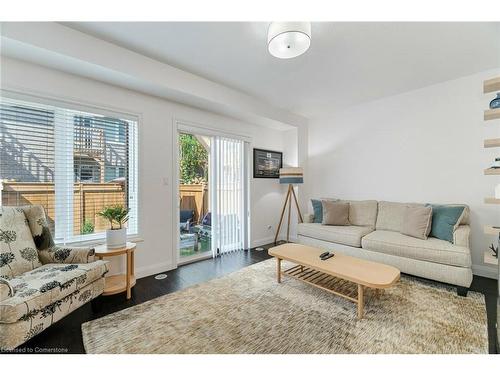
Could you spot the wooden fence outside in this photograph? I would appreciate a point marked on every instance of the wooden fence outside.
(194, 197)
(88, 199)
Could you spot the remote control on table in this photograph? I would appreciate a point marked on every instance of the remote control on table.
(328, 256)
(324, 254)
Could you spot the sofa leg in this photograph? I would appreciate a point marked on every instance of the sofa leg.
(96, 305)
(462, 291)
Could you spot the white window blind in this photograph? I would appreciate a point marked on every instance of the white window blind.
(73, 163)
(228, 196)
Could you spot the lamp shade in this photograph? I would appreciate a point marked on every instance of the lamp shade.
(291, 176)
(286, 40)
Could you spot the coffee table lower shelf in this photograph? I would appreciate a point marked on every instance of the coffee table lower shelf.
(342, 288)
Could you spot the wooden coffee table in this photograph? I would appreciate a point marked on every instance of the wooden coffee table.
(326, 274)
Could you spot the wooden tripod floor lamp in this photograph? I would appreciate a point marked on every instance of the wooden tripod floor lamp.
(290, 176)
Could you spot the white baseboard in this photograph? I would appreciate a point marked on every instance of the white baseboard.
(167, 266)
(262, 241)
(154, 269)
(485, 271)
(268, 240)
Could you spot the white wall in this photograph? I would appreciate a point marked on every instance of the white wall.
(421, 146)
(58, 46)
(155, 254)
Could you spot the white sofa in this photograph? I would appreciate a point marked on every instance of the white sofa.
(374, 235)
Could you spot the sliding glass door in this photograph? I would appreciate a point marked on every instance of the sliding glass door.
(213, 195)
(195, 228)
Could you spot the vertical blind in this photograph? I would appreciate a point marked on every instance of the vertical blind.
(71, 162)
(228, 198)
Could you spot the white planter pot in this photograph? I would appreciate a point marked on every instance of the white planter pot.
(116, 238)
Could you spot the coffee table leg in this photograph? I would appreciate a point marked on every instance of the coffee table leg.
(361, 301)
(278, 269)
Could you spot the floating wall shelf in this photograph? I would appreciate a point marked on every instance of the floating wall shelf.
(494, 142)
(488, 229)
(491, 201)
(491, 114)
(491, 85)
(492, 171)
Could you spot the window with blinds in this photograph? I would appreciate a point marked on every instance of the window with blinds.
(73, 163)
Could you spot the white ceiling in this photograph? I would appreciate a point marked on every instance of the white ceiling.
(347, 63)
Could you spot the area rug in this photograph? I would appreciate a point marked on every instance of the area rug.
(248, 312)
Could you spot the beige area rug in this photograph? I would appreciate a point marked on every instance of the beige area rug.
(248, 312)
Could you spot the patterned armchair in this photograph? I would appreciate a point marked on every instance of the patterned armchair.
(40, 282)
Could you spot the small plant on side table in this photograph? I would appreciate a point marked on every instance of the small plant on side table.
(117, 216)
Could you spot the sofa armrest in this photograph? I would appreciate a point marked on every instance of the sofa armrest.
(60, 254)
(6, 289)
(461, 236)
(308, 218)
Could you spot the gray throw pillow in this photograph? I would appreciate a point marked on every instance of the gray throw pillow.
(335, 213)
(417, 222)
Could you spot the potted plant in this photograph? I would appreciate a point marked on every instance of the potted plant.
(117, 216)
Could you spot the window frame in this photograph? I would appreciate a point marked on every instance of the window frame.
(68, 238)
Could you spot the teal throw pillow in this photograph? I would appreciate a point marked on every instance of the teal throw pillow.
(444, 220)
(318, 210)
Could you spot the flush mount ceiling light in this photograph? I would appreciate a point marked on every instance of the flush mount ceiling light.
(288, 39)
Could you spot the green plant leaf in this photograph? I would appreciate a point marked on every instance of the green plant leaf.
(115, 215)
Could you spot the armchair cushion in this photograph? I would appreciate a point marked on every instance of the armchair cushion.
(40, 289)
(39, 226)
(6, 289)
(68, 255)
(17, 250)
(14, 334)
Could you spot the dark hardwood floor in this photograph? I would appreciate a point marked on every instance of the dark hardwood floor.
(65, 336)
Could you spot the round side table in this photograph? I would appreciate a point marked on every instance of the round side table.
(119, 283)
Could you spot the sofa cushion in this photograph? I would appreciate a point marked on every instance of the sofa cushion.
(347, 235)
(335, 213)
(18, 252)
(362, 213)
(417, 222)
(317, 205)
(390, 215)
(431, 250)
(45, 285)
(445, 220)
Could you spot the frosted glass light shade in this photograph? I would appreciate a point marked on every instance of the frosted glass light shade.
(288, 39)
